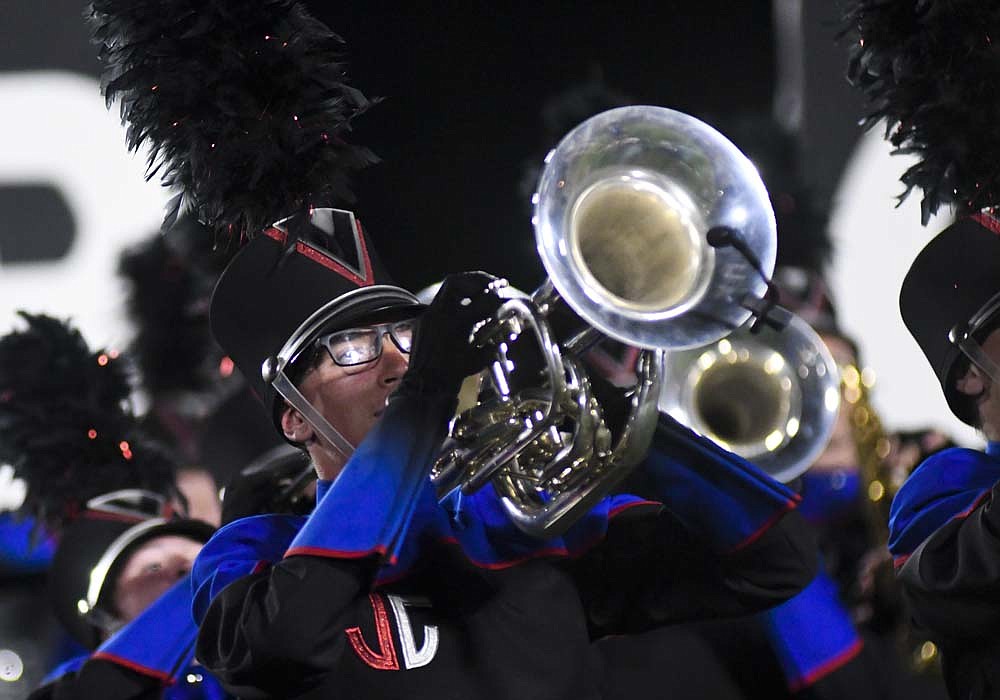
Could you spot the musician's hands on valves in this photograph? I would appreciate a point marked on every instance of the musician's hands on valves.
(442, 354)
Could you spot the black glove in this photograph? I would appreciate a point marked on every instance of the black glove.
(442, 355)
(277, 482)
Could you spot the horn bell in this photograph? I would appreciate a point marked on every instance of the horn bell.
(771, 397)
(621, 215)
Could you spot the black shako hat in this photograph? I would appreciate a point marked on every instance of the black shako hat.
(94, 548)
(952, 281)
(290, 282)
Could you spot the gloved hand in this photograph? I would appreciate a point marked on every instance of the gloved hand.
(442, 356)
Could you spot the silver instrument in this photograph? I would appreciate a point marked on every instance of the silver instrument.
(771, 397)
(621, 216)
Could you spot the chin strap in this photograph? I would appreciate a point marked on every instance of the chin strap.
(313, 417)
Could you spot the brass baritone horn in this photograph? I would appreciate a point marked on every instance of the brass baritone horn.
(769, 396)
(621, 216)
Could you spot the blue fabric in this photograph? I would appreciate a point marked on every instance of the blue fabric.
(946, 485)
(828, 496)
(322, 486)
(235, 551)
(715, 493)
(68, 666)
(160, 641)
(480, 529)
(478, 525)
(19, 554)
(811, 634)
(367, 510)
(382, 503)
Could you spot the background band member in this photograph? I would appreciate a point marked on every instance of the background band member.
(119, 576)
(942, 534)
(928, 70)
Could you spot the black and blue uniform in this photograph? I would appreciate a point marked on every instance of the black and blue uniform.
(945, 541)
(383, 592)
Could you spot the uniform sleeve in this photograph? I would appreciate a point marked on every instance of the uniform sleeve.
(726, 542)
(140, 659)
(265, 616)
(99, 679)
(651, 570)
(952, 580)
(817, 646)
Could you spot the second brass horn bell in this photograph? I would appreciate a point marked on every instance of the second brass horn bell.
(771, 397)
(621, 216)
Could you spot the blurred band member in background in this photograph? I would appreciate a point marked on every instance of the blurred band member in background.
(118, 580)
(928, 69)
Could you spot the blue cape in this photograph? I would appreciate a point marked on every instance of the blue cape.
(949, 484)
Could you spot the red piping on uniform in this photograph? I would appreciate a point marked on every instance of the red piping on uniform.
(827, 667)
(261, 565)
(138, 668)
(625, 506)
(333, 553)
(789, 505)
(980, 499)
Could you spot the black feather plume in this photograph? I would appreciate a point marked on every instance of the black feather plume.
(802, 215)
(242, 103)
(170, 278)
(560, 114)
(65, 422)
(931, 70)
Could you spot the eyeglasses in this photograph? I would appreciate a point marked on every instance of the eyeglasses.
(359, 346)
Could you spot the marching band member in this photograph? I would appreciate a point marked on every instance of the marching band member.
(119, 576)
(289, 605)
(928, 70)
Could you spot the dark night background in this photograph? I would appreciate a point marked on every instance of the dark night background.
(463, 86)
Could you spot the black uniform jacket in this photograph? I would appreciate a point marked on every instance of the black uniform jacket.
(383, 592)
(951, 581)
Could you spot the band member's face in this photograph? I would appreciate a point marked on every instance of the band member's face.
(153, 568)
(977, 384)
(350, 398)
(202, 495)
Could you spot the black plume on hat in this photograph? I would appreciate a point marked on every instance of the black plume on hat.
(801, 214)
(242, 104)
(66, 425)
(930, 69)
(67, 428)
(170, 278)
(561, 113)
